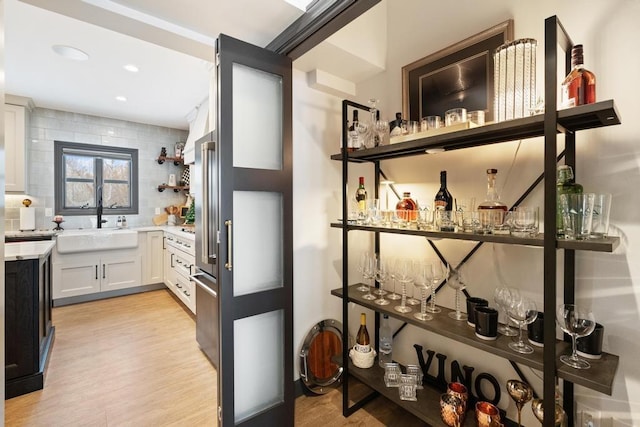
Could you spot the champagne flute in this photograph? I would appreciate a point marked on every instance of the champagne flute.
(392, 275)
(502, 297)
(440, 273)
(369, 273)
(523, 311)
(521, 393)
(361, 263)
(458, 282)
(382, 275)
(404, 268)
(423, 282)
(578, 322)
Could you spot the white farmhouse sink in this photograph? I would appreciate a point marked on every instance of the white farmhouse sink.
(70, 241)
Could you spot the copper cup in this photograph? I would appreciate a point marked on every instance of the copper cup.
(451, 410)
(487, 415)
(460, 391)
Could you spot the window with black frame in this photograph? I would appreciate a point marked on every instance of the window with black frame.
(89, 176)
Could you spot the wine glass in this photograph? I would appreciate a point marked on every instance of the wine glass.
(412, 300)
(458, 281)
(364, 258)
(522, 311)
(538, 411)
(578, 322)
(423, 282)
(440, 273)
(521, 393)
(369, 273)
(502, 297)
(391, 265)
(404, 269)
(382, 275)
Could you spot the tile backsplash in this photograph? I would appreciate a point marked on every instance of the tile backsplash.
(46, 126)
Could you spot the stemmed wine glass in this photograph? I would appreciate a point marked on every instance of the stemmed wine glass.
(423, 282)
(382, 129)
(382, 275)
(391, 265)
(404, 270)
(521, 393)
(440, 273)
(364, 258)
(577, 322)
(522, 311)
(458, 281)
(369, 273)
(502, 297)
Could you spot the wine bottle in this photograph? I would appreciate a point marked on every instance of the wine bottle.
(492, 210)
(443, 199)
(579, 87)
(363, 344)
(361, 196)
(377, 140)
(385, 344)
(565, 184)
(354, 140)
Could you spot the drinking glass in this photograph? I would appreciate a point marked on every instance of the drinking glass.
(369, 273)
(382, 275)
(391, 265)
(404, 270)
(423, 282)
(363, 260)
(578, 322)
(440, 273)
(521, 393)
(458, 281)
(503, 297)
(522, 311)
(381, 129)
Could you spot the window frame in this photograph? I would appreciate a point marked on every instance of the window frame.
(94, 151)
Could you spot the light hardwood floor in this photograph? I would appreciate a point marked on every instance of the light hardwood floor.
(134, 361)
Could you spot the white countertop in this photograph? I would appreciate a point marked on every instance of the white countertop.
(27, 250)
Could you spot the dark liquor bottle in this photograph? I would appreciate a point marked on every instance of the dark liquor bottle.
(579, 87)
(352, 135)
(395, 126)
(363, 344)
(492, 210)
(377, 140)
(443, 199)
(565, 184)
(407, 208)
(361, 195)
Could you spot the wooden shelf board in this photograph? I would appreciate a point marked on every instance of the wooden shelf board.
(607, 244)
(599, 377)
(599, 114)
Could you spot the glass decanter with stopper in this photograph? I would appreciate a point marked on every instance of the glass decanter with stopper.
(407, 209)
(492, 210)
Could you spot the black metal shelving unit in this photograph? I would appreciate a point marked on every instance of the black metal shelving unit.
(549, 125)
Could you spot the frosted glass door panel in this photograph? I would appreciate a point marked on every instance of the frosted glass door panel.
(257, 119)
(257, 241)
(259, 367)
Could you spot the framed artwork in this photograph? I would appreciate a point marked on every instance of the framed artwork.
(459, 76)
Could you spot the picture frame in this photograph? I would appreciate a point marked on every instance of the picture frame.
(183, 211)
(460, 75)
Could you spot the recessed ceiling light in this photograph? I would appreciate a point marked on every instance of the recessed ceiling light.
(131, 68)
(70, 52)
(121, 98)
(434, 150)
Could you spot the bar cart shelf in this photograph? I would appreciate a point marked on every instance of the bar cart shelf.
(568, 121)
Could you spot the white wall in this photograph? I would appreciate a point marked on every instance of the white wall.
(607, 162)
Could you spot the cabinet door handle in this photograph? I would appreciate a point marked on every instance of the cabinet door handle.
(172, 266)
(103, 271)
(228, 265)
(187, 293)
(96, 271)
(164, 240)
(178, 285)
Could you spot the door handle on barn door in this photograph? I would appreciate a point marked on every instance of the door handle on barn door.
(229, 265)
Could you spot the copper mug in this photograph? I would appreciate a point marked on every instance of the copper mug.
(460, 391)
(487, 415)
(451, 410)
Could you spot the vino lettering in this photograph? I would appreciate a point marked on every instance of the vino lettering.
(457, 375)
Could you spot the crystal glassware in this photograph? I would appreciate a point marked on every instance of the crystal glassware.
(577, 322)
(382, 275)
(364, 258)
(404, 270)
(521, 393)
(391, 265)
(522, 311)
(502, 297)
(423, 282)
(368, 273)
(458, 281)
(440, 273)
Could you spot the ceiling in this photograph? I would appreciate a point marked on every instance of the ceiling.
(171, 43)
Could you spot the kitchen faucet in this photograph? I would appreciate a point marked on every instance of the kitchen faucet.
(99, 221)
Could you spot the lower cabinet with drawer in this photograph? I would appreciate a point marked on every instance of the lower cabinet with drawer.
(178, 266)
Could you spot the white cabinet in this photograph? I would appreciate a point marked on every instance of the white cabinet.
(179, 264)
(153, 258)
(75, 275)
(15, 131)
